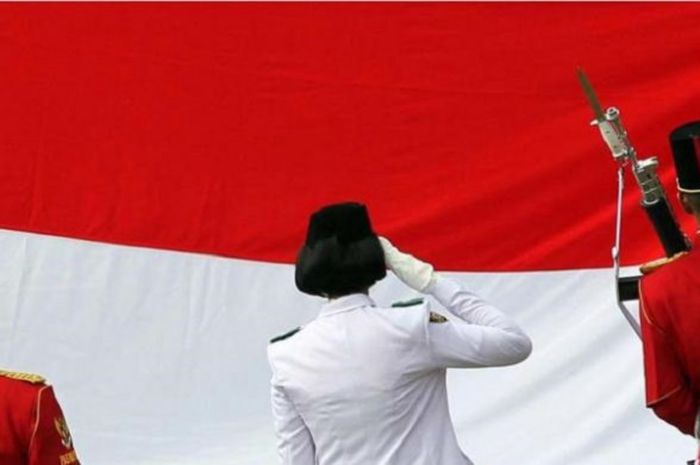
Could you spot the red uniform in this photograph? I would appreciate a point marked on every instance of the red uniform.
(670, 320)
(32, 428)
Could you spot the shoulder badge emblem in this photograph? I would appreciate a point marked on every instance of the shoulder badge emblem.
(63, 432)
(437, 318)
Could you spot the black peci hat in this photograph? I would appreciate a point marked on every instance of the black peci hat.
(342, 254)
(685, 144)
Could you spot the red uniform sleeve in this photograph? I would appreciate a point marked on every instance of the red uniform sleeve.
(667, 388)
(51, 442)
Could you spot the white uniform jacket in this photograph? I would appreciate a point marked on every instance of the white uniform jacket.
(363, 385)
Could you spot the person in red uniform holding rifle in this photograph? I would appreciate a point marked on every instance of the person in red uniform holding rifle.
(670, 306)
(33, 430)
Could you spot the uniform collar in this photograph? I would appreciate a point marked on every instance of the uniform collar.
(345, 303)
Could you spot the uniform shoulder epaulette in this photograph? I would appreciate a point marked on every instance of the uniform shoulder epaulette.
(285, 335)
(654, 265)
(26, 377)
(408, 303)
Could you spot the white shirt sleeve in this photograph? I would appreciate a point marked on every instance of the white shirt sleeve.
(294, 442)
(476, 334)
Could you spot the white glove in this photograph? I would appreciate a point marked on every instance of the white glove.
(413, 272)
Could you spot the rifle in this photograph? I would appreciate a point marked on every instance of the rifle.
(654, 200)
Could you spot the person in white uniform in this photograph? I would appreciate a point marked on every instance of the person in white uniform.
(365, 385)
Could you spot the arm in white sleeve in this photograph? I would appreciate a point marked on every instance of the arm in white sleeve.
(294, 442)
(477, 335)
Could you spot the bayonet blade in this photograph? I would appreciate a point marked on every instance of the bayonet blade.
(590, 95)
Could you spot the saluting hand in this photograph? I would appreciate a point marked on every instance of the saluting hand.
(413, 272)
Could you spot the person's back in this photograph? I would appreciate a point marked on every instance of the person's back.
(366, 385)
(671, 300)
(361, 378)
(670, 315)
(670, 306)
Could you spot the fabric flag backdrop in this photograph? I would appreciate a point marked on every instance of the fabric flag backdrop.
(158, 163)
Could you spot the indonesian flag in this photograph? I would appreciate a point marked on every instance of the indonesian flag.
(158, 164)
